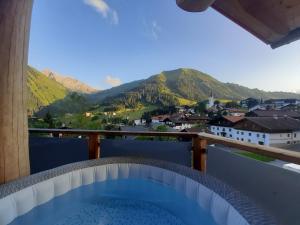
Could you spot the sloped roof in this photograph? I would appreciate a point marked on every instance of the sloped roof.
(274, 113)
(275, 22)
(282, 124)
(233, 119)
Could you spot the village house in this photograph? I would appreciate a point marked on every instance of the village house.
(274, 113)
(88, 114)
(270, 131)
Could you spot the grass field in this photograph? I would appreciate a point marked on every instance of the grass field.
(256, 156)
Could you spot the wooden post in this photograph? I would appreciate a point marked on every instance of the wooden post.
(94, 146)
(15, 16)
(199, 154)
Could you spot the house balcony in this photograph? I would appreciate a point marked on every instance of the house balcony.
(274, 188)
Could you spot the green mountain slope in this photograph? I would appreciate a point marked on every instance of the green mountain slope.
(42, 91)
(178, 87)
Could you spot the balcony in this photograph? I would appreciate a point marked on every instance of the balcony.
(274, 188)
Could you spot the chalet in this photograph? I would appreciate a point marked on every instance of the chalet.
(178, 122)
(274, 113)
(159, 119)
(185, 121)
(249, 102)
(197, 119)
(236, 112)
(139, 122)
(270, 131)
(283, 102)
(223, 126)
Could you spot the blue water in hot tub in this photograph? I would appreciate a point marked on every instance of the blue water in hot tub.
(118, 202)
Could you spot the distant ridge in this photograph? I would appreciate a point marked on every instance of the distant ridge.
(70, 83)
(182, 86)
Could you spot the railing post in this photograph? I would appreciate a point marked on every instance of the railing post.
(199, 154)
(94, 146)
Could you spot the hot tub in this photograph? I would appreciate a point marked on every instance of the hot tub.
(125, 191)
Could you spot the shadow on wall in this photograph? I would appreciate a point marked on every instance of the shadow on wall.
(48, 153)
(274, 188)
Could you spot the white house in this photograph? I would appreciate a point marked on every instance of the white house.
(140, 122)
(277, 132)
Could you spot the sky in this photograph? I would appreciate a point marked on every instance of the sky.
(105, 43)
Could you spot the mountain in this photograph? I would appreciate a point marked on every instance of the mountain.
(179, 87)
(47, 94)
(70, 83)
(42, 91)
(176, 87)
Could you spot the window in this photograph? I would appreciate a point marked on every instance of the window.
(223, 129)
(238, 132)
(264, 136)
(238, 139)
(295, 135)
(242, 133)
(250, 134)
(218, 134)
(242, 139)
(257, 135)
(230, 135)
(249, 140)
(261, 143)
(213, 128)
(288, 135)
(229, 129)
(288, 142)
(217, 128)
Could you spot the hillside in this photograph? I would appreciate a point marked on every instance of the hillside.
(176, 87)
(179, 87)
(42, 91)
(70, 83)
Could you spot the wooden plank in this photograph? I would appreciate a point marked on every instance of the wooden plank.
(277, 153)
(94, 146)
(199, 154)
(14, 40)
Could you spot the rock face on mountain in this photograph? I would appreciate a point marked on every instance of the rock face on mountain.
(70, 83)
(42, 91)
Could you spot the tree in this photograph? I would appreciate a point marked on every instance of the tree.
(201, 107)
(232, 104)
(161, 128)
(147, 117)
(217, 102)
(49, 120)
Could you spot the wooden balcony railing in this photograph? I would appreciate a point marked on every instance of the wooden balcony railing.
(199, 143)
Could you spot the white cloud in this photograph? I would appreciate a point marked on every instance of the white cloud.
(152, 29)
(155, 29)
(104, 9)
(115, 17)
(113, 81)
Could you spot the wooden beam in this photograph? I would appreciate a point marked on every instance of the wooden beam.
(276, 153)
(15, 16)
(199, 154)
(94, 146)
